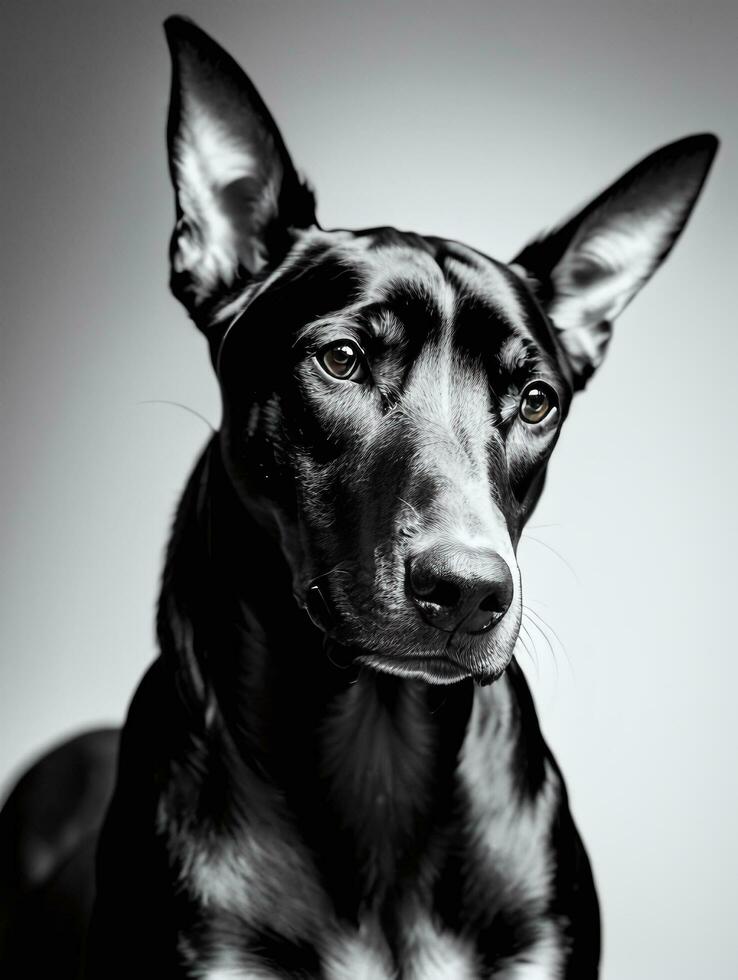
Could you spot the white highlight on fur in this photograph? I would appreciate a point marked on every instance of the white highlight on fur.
(209, 157)
(264, 880)
(394, 265)
(453, 451)
(512, 831)
(613, 253)
(262, 874)
(357, 956)
(619, 254)
(514, 837)
(489, 284)
(226, 965)
(512, 353)
(435, 954)
(429, 953)
(543, 962)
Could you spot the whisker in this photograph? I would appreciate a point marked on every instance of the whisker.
(532, 612)
(540, 622)
(533, 655)
(408, 504)
(336, 570)
(165, 401)
(533, 624)
(530, 537)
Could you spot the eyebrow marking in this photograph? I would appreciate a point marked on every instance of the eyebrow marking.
(387, 324)
(308, 332)
(514, 353)
(419, 309)
(379, 318)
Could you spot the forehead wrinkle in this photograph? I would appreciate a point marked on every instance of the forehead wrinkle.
(378, 318)
(422, 313)
(487, 284)
(398, 266)
(389, 274)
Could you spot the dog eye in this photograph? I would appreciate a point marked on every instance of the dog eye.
(343, 360)
(538, 401)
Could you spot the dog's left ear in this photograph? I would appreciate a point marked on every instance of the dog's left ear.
(587, 270)
(237, 193)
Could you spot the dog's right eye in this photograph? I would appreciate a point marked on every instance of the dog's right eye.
(343, 360)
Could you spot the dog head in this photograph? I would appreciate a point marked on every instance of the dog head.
(391, 400)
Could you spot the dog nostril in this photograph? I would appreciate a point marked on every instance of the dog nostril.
(495, 603)
(439, 592)
(426, 584)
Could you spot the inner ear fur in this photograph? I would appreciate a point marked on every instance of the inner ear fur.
(587, 270)
(238, 197)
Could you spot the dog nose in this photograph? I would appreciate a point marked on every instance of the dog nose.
(460, 588)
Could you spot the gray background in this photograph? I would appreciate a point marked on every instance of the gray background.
(480, 121)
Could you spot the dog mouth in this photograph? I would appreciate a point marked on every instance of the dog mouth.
(451, 658)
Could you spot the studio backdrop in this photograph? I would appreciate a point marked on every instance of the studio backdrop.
(480, 121)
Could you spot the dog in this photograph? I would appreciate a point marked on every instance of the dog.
(334, 767)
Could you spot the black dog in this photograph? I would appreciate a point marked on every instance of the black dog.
(364, 793)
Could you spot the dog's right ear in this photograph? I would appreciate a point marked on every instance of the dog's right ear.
(237, 193)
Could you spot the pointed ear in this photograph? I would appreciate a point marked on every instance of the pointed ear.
(587, 270)
(237, 192)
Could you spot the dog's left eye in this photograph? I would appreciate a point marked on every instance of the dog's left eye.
(343, 360)
(537, 402)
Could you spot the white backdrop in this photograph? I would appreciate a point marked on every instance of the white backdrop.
(483, 122)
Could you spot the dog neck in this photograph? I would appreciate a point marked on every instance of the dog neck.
(364, 761)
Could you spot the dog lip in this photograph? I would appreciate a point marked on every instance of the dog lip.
(447, 665)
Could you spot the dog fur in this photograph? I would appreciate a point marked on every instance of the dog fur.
(328, 772)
